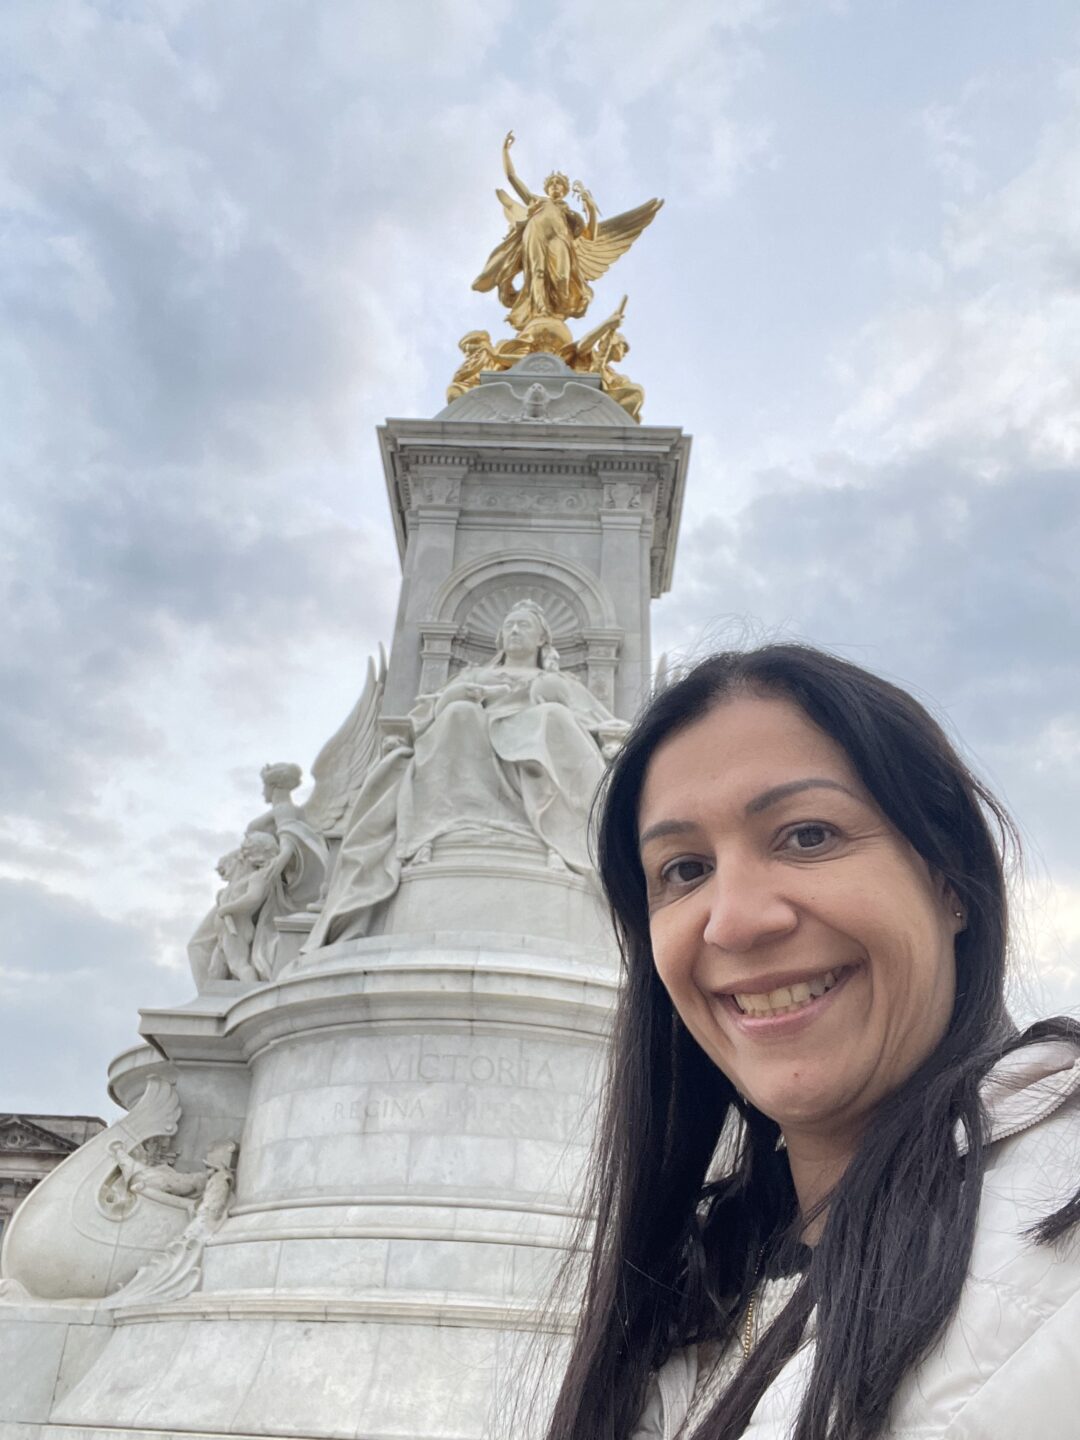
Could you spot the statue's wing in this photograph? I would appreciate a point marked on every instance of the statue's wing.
(515, 214)
(344, 761)
(157, 1113)
(474, 405)
(595, 410)
(613, 238)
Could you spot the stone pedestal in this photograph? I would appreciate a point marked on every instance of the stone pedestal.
(419, 1112)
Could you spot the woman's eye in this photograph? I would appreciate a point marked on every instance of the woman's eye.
(683, 872)
(805, 839)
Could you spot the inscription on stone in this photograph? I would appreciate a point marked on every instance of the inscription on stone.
(468, 1091)
(461, 1066)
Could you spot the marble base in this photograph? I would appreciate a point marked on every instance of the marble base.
(416, 1111)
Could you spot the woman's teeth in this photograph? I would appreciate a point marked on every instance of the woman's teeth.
(788, 997)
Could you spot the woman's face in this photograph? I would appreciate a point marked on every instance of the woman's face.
(804, 943)
(521, 635)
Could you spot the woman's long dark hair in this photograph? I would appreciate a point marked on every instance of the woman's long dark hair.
(674, 1259)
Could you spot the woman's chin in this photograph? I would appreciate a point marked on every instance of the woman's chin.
(816, 1106)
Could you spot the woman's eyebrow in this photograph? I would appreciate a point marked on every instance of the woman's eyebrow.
(761, 802)
(664, 827)
(793, 787)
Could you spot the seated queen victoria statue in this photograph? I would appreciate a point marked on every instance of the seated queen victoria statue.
(508, 749)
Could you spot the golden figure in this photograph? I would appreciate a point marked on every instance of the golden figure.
(595, 351)
(480, 354)
(554, 249)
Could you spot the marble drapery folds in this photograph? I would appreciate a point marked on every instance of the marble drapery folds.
(510, 748)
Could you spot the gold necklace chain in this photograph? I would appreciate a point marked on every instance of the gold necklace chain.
(748, 1322)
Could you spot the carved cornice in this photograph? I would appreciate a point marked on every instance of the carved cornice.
(576, 460)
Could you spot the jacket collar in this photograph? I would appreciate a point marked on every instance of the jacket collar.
(1026, 1086)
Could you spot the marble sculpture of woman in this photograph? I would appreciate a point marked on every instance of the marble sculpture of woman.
(278, 869)
(504, 749)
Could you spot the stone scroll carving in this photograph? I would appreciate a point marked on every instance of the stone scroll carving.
(280, 867)
(508, 748)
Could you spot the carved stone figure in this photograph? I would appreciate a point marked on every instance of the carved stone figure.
(281, 865)
(224, 947)
(509, 748)
(555, 250)
(157, 1181)
(177, 1270)
(221, 948)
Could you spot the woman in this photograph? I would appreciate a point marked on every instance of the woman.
(542, 248)
(511, 748)
(835, 1189)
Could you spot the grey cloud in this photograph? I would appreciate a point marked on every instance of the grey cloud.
(131, 571)
(64, 961)
(962, 588)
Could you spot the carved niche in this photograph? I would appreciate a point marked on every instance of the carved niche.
(471, 605)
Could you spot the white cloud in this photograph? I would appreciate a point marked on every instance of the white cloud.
(985, 361)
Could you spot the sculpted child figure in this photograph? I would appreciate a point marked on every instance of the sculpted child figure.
(277, 870)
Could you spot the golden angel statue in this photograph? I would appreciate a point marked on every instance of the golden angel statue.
(553, 248)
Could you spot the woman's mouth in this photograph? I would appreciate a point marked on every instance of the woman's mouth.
(789, 999)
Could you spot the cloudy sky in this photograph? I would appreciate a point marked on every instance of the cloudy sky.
(236, 236)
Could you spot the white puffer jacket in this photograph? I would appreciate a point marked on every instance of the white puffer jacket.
(1008, 1367)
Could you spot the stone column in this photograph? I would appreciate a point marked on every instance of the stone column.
(431, 524)
(622, 525)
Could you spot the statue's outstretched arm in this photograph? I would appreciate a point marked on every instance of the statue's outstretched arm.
(592, 214)
(511, 174)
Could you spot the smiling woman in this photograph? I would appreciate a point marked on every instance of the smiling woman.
(833, 1181)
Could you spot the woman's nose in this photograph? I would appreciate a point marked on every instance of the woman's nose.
(746, 908)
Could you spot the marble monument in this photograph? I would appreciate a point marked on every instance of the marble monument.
(348, 1166)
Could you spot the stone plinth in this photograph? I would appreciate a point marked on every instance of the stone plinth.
(418, 1116)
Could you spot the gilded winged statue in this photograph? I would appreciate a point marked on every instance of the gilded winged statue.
(554, 249)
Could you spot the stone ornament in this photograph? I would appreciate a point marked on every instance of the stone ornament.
(140, 1172)
(281, 865)
(95, 1219)
(508, 748)
(177, 1270)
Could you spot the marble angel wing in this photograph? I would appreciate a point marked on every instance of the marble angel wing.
(595, 411)
(515, 214)
(474, 405)
(613, 238)
(346, 758)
